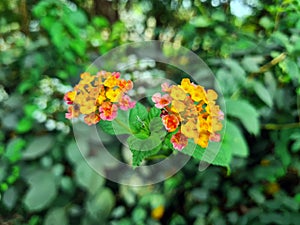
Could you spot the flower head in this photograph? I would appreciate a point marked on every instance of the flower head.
(200, 117)
(98, 96)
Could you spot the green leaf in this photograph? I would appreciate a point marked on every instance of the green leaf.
(263, 93)
(143, 146)
(292, 69)
(87, 178)
(251, 63)
(42, 190)
(56, 216)
(266, 23)
(24, 125)
(100, 204)
(193, 150)
(78, 18)
(73, 153)
(137, 116)
(100, 22)
(201, 21)
(138, 156)
(13, 149)
(234, 141)
(38, 147)
(256, 195)
(153, 113)
(245, 112)
(146, 144)
(236, 70)
(222, 157)
(118, 126)
(10, 198)
(139, 214)
(281, 147)
(227, 82)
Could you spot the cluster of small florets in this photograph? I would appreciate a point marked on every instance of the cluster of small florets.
(191, 111)
(98, 97)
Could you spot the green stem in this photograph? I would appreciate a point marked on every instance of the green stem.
(156, 157)
(272, 126)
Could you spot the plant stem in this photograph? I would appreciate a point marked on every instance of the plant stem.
(156, 157)
(270, 64)
(272, 126)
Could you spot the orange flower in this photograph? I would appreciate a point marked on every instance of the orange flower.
(92, 118)
(170, 122)
(125, 85)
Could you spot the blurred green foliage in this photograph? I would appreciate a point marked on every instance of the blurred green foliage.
(44, 45)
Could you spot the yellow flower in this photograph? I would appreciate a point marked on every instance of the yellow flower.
(216, 125)
(202, 139)
(177, 93)
(187, 86)
(177, 106)
(80, 98)
(189, 129)
(88, 107)
(100, 99)
(158, 212)
(198, 94)
(111, 82)
(211, 95)
(272, 188)
(114, 94)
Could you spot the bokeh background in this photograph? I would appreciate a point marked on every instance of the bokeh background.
(251, 46)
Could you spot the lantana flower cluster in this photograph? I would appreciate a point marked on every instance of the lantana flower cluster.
(98, 97)
(190, 110)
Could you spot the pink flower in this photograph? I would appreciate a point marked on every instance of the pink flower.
(125, 103)
(221, 115)
(165, 87)
(161, 101)
(116, 74)
(179, 141)
(215, 137)
(108, 111)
